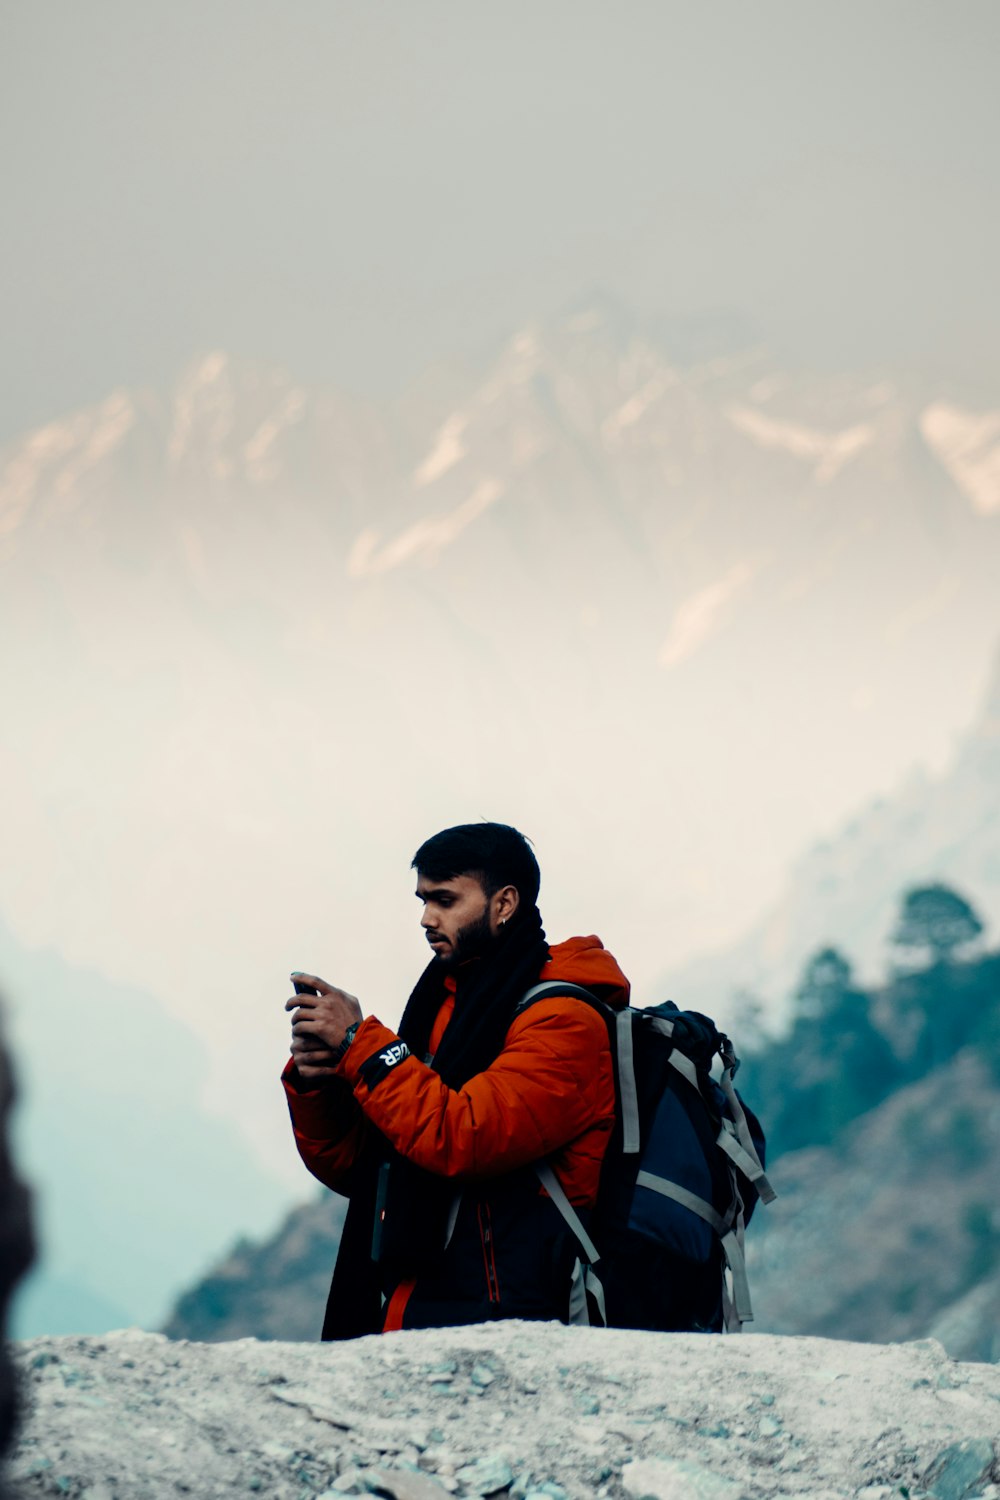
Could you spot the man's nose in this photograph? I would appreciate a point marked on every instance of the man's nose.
(426, 918)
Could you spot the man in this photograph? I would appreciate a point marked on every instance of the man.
(434, 1133)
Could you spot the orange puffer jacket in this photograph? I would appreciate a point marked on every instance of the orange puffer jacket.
(549, 1095)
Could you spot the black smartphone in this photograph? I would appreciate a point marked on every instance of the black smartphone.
(304, 989)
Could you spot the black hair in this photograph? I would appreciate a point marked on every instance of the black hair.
(496, 854)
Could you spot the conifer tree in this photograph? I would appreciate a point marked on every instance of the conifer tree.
(937, 919)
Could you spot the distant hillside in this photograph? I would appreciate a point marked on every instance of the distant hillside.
(846, 890)
(272, 1289)
(893, 1232)
(883, 1111)
(135, 1184)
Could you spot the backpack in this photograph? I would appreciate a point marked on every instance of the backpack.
(683, 1171)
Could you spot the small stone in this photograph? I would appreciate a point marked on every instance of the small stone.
(487, 1475)
(960, 1470)
(349, 1483)
(45, 1358)
(768, 1427)
(403, 1484)
(766, 1400)
(673, 1479)
(717, 1430)
(482, 1375)
(588, 1404)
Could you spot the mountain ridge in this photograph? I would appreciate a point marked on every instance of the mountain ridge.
(670, 645)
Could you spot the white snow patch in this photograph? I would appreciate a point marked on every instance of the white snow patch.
(829, 451)
(22, 477)
(204, 394)
(425, 540)
(114, 419)
(702, 615)
(968, 445)
(260, 462)
(636, 406)
(448, 450)
(54, 458)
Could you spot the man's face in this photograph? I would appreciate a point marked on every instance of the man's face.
(457, 918)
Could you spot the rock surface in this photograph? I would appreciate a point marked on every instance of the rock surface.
(530, 1411)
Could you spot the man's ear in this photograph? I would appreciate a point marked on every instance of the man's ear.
(505, 904)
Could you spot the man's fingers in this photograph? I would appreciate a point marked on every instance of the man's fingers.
(314, 981)
(306, 1026)
(310, 1043)
(302, 1013)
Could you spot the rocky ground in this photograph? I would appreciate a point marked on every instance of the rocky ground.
(529, 1411)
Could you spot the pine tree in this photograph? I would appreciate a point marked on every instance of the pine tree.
(937, 919)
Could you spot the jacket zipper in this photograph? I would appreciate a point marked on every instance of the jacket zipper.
(381, 1191)
(486, 1235)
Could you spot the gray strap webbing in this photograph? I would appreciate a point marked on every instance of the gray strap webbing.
(749, 1165)
(554, 1188)
(595, 1287)
(659, 1024)
(736, 1262)
(686, 1200)
(578, 1297)
(456, 1204)
(730, 1321)
(554, 987)
(765, 1191)
(626, 1083)
(685, 1068)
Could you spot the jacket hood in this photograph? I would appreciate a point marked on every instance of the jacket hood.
(586, 961)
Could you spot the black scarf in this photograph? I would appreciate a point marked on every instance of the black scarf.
(487, 991)
(417, 1202)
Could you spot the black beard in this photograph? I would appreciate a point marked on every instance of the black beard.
(474, 940)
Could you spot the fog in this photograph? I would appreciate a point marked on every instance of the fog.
(579, 416)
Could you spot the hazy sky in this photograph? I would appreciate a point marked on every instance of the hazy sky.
(358, 189)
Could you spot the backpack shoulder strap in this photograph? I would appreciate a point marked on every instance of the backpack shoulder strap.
(560, 987)
(619, 1024)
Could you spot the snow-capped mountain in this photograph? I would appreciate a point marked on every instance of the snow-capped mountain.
(676, 620)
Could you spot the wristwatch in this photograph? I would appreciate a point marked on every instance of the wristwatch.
(338, 1052)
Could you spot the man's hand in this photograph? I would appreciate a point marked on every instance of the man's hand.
(318, 1026)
